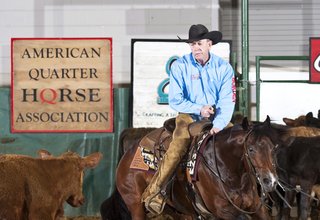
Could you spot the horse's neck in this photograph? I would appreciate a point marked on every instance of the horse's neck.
(230, 147)
(227, 158)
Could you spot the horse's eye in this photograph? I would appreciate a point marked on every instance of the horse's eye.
(251, 150)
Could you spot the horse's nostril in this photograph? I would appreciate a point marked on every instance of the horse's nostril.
(269, 183)
(266, 181)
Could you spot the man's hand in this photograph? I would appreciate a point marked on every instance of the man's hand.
(214, 130)
(206, 111)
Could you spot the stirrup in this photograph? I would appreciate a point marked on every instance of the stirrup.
(155, 204)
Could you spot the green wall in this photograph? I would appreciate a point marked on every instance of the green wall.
(99, 182)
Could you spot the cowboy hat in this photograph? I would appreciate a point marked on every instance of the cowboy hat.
(199, 32)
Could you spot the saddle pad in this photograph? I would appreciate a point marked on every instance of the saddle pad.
(144, 159)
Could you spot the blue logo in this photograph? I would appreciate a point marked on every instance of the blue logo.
(162, 95)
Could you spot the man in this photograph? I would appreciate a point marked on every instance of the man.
(198, 81)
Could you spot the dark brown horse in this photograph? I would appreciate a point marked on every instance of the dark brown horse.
(229, 168)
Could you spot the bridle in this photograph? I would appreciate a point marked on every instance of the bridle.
(252, 168)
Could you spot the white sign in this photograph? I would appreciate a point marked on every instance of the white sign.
(150, 78)
(279, 100)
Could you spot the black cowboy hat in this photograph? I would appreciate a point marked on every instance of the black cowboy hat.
(199, 32)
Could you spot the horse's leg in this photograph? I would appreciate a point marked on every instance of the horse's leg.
(136, 208)
(130, 184)
(131, 195)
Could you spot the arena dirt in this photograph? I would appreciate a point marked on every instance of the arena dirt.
(82, 218)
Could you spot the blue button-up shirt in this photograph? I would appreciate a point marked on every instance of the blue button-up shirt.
(193, 86)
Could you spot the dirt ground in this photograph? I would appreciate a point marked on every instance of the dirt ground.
(82, 218)
(293, 216)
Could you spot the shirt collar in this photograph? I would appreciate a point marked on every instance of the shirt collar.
(194, 61)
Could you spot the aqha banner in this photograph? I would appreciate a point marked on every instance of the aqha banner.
(61, 85)
(314, 60)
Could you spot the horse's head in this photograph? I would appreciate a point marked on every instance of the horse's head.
(259, 145)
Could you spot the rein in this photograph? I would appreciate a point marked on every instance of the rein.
(221, 181)
(287, 187)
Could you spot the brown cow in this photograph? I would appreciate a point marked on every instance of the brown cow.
(36, 188)
(304, 120)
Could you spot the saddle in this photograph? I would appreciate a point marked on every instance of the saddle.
(162, 136)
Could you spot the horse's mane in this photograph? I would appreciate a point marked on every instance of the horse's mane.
(275, 132)
(236, 127)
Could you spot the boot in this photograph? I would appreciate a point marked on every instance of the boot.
(152, 197)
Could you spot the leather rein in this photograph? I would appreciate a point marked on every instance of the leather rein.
(252, 171)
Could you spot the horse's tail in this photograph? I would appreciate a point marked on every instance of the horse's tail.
(114, 208)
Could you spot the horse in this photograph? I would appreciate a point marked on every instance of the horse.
(230, 165)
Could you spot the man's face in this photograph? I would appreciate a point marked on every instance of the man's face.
(200, 50)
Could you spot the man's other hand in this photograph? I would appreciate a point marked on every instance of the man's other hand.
(206, 111)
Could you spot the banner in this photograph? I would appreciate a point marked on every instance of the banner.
(61, 85)
(314, 60)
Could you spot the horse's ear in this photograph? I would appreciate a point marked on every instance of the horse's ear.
(319, 114)
(245, 123)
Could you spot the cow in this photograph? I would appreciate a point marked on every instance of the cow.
(304, 120)
(312, 123)
(36, 188)
(299, 170)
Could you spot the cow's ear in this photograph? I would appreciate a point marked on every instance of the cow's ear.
(92, 160)
(44, 153)
(268, 120)
(309, 115)
(288, 121)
